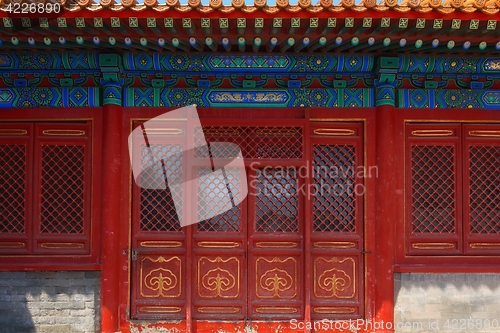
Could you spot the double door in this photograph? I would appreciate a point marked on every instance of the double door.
(296, 239)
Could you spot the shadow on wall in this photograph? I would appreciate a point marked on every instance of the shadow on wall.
(49, 302)
(15, 316)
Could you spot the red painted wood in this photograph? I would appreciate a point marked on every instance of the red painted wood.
(433, 263)
(426, 224)
(86, 258)
(111, 226)
(384, 229)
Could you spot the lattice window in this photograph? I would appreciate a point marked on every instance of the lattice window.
(275, 142)
(334, 202)
(433, 189)
(214, 194)
(278, 142)
(484, 189)
(277, 200)
(12, 188)
(157, 208)
(62, 196)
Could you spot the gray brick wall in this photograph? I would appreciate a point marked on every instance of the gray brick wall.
(447, 302)
(49, 302)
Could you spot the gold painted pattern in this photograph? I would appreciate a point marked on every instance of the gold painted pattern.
(218, 309)
(432, 132)
(271, 310)
(432, 246)
(228, 132)
(61, 245)
(484, 245)
(276, 131)
(335, 245)
(160, 309)
(276, 244)
(161, 244)
(219, 280)
(484, 133)
(13, 131)
(160, 280)
(334, 280)
(162, 131)
(226, 245)
(334, 131)
(63, 132)
(11, 245)
(276, 280)
(334, 310)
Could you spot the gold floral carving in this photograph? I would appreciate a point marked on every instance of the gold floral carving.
(334, 281)
(276, 280)
(159, 281)
(219, 281)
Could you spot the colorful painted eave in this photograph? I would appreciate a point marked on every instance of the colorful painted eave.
(401, 6)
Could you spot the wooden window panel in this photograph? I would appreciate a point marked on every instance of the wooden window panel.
(16, 165)
(433, 169)
(481, 200)
(62, 178)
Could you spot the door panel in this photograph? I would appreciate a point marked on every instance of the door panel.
(276, 244)
(337, 221)
(219, 249)
(159, 262)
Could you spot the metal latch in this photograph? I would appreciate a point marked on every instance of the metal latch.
(133, 255)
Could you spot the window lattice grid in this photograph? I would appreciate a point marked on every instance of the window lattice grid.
(277, 200)
(157, 208)
(62, 195)
(276, 142)
(334, 201)
(12, 188)
(214, 194)
(433, 178)
(484, 190)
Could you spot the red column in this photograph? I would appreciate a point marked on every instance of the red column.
(110, 217)
(385, 217)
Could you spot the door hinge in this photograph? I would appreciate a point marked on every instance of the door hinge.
(133, 255)
(366, 252)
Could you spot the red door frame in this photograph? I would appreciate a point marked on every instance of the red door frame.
(378, 302)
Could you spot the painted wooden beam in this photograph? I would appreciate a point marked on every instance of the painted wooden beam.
(257, 42)
(211, 44)
(226, 43)
(321, 42)
(242, 43)
(272, 44)
(303, 44)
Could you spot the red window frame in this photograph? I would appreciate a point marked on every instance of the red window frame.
(461, 257)
(61, 190)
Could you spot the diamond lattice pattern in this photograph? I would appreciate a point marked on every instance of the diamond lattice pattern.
(484, 190)
(157, 208)
(278, 142)
(277, 200)
(433, 189)
(334, 180)
(62, 197)
(214, 193)
(12, 188)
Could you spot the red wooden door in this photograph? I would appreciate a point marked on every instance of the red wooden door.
(250, 262)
